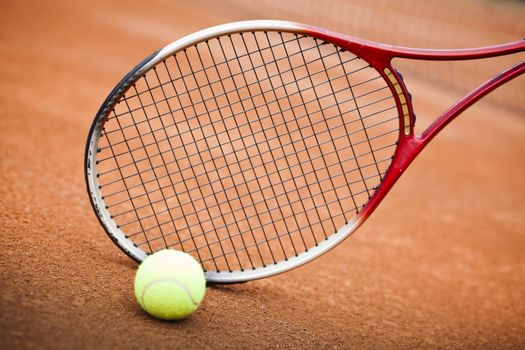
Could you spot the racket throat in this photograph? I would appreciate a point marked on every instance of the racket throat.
(408, 149)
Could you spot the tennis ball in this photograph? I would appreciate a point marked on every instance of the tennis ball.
(169, 284)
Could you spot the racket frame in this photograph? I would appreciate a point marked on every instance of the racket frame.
(379, 56)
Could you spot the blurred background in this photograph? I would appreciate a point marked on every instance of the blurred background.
(440, 264)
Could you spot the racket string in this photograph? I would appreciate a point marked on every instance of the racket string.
(241, 100)
(261, 201)
(226, 169)
(209, 67)
(367, 138)
(276, 159)
(239, 138)
(324, 118)
(247, 150)
(259, 218)
(170, 179)
(280, 144)
(241, 232)
(225, 92)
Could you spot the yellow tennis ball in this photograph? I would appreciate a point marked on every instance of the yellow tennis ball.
(170, 284)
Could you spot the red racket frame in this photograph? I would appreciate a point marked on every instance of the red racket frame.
(380, 56)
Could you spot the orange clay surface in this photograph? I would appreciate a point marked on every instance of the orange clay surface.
(440, 264)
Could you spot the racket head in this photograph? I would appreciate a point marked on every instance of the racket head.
(373, 60)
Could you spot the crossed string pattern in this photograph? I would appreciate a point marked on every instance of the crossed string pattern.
(247, 149)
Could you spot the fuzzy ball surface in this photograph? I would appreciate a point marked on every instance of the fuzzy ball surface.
(170, 284)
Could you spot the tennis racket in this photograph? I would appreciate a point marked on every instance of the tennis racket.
(257, 146)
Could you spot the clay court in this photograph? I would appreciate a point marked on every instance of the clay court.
(439, 264)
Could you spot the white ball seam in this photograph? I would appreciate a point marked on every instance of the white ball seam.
(171, 280)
